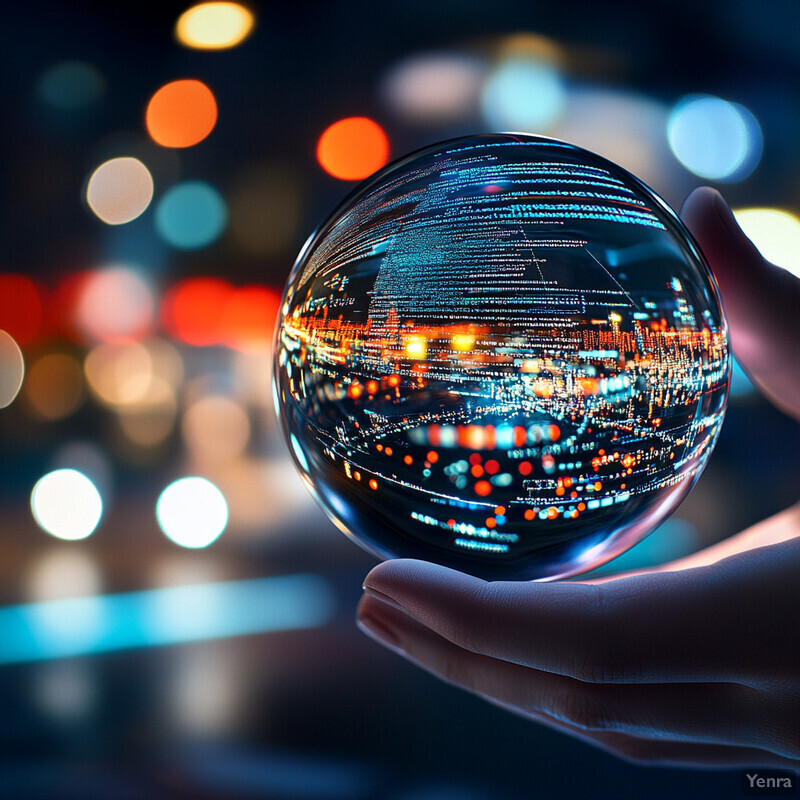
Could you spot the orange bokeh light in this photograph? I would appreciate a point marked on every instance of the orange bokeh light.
(249, 316)
(20, 308)
(192, 310)
(353, 148)
(181, 113)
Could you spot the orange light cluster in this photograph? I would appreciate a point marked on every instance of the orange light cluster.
(211, 311)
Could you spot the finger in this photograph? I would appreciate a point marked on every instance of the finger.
(778, 528)
(724, 623)
(728, 714)
(761, 300)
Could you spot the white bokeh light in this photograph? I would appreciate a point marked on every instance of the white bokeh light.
(775, 233)
(66, 504)
(192, 512)
(120, 190)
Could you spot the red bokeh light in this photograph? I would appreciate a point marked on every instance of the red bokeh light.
(20, 308)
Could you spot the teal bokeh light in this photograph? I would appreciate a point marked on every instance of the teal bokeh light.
(191, 215)
(714, 138)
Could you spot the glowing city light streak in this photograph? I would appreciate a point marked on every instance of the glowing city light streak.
(159, 617)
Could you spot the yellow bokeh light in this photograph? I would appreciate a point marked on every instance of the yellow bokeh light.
(120, 190)
(416, 347)
(214, 26)
(775, 233)
(463, 342)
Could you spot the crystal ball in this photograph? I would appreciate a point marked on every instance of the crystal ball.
(504, 354)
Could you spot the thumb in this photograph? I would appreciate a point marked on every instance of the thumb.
(762, 301)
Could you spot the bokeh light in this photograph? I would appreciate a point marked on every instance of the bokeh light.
(63, 572)
(775, 232)
(353, 148)
(524, 93)
(215, 429)
(115, 304)
(12, 369)
(192, 512)
(148, 422)
(71, 85)
(434, 88)
(191, 311)
(120, 190)
(248, 318)
(20, 308)
(627, 128)
(119, 374)
(714, 138)
(181, 113)
(191, 215)
(66, 504)
(54, 386)
(214, 26)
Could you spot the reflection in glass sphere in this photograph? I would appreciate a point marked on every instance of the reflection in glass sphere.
(503, 354)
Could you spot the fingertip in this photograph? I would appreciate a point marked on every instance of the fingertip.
(409, 571)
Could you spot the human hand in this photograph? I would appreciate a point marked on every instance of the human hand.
(696, 662)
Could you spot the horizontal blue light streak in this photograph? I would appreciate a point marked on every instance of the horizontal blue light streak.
(103, 623)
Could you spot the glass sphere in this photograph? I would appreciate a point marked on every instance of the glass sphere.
(503, 354)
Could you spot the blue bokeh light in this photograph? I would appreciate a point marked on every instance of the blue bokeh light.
(191, 215)
(714, 138)
(524, 95)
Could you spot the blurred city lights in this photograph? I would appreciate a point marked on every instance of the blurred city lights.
(54, 386)
(353, 148)
(181, 113)
(248, 318)
(204, 693)
(66, 690)
(624, 127)
(265, 205)
(63, 572)
(85, 625)
(20, 308)
(714, 138)
(12, 369)
(120, 190)
(523, 94)
(192, 309)
(71, 85)
(214, 26)
(66, 504)
(192, 512)
(149, 421)
(775, 232)
(115, 304)
(119, 374)
(215, 429)
(434, 88)
(191, 215)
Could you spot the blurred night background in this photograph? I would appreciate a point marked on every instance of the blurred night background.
(171, 638)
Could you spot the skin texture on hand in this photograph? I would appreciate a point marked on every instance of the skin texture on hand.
(696, 662)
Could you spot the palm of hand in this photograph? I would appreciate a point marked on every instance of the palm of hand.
(695, 662)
